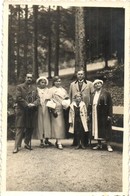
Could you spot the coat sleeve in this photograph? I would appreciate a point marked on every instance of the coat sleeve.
(37, 99)
(70, 116)
(109, 103)
(19, 98)
(70, 92)
(85, 112)
(91, 88)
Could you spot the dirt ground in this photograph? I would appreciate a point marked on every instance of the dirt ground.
(67, 170)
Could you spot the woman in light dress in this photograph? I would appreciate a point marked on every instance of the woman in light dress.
(58, 94)
(43, 122)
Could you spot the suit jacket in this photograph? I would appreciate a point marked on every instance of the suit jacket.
(86, 91)
(25, 116)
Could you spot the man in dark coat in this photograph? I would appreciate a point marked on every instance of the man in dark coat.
(85, 87)
(27, 101)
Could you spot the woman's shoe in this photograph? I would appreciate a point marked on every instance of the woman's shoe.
(59, 146)
(99, 146)
(109, 148)
(48, 143)
(41, 145)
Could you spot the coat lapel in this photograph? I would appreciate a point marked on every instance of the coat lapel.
(100, 96)
(77, 86)
(83, 86)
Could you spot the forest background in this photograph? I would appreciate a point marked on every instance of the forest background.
(47, 39)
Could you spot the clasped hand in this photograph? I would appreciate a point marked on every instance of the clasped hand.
(31, 105)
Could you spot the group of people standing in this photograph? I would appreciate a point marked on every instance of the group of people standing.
(40, 112)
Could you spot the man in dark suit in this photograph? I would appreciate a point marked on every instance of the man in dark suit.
(27, 101)
(85, 87)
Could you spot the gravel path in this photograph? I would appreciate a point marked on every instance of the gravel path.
(50, 169)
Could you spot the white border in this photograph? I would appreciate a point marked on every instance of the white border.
(92, 3)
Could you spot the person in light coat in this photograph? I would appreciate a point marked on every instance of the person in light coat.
(78, 120)
(101, 115)
(43, 129)
(58, 94)
(85, 87)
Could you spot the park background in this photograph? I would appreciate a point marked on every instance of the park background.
(56, 40)
(114, 81)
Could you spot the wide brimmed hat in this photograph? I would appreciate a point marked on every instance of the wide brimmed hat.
(97, 80)
(42, 78)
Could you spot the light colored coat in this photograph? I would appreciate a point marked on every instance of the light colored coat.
(86, 91)
(83, 116)
(43, 125)
(58, 124)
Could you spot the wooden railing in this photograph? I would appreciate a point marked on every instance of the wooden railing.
(118, 110)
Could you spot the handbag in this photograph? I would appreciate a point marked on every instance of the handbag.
(51, 104)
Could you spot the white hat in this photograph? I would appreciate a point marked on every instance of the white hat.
(42, 78)
(97, 80)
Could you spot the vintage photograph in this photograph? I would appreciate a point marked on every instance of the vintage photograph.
(67, 100)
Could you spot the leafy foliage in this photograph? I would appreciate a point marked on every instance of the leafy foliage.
(104, 29)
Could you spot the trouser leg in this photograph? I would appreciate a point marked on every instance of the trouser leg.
(77, 137)
(74, 140)
(86, 138)
(82, 138)
(28, 135)
(18, 137)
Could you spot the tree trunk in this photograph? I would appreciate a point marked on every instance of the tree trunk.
(11, 62)
(18, 44)
(49, 45)
(26, 39)
(80, 59)
(56, 71)
(35, 61)
(106, 36)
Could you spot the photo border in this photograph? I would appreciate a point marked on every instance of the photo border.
(4, 67)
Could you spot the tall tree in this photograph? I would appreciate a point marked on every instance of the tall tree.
(57, 30)
(106, 29)
(26, 38)
(35, 60)
(11, 56)
(80, 59)
(49, 44)
(18, 41)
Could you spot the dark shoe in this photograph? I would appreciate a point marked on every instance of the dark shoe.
(48, 143)
(83, 147)
(97, 147)
(77, 147)
(28, 147)
(15, 150)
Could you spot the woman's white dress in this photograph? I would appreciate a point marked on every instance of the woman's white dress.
(58, 124)
(44, 121)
